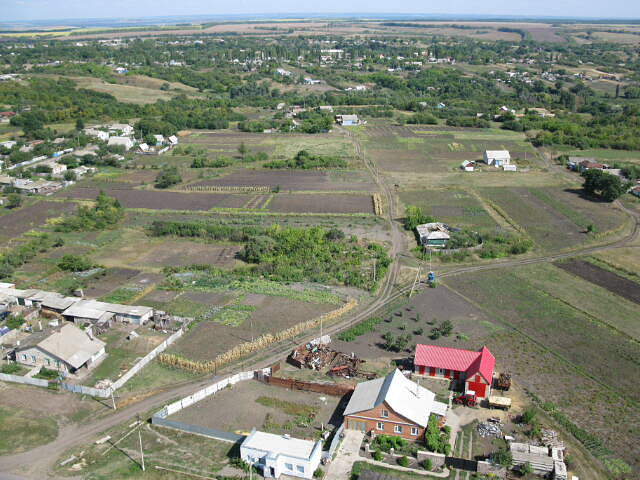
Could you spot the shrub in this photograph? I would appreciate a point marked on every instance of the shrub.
(10, 368)
(403, 461)
(15, 322)
(378, 455)
(168, 177)
(528, 415)
(427, 464)
(74, 263)
(318, 473)
(503, 457)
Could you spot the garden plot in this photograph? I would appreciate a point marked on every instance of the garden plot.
(242, 319)
(453, 207)
(550, 224)
(109, 280)
(163, 200)
(252, 404)
(416, 318)
(31, 217)
(320, 203)
(293, 180)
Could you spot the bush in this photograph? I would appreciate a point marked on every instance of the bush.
(378, 456)
(528, 415)
(10, 368)
(105, 213)
(503, 457)
(318, 473)
(427, 464)
(74, 263)
(403, 461)
(15, 322)
(168, 177)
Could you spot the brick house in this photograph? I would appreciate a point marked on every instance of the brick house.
(392, 405)
(474, 370)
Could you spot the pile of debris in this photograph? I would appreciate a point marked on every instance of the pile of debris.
(503, 382)
(348, 366)
(550, 439)
(490, 428)
(312, 356)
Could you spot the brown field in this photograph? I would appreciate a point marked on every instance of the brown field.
(319, 203)
(34, 216)
(112, 279)
(272, 314)
(603, 278)
(181, 253)
(236, 409)
(162, 200)
(295, 180)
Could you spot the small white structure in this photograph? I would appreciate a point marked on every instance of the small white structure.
(143, 148)
(281, 454)
(497, 158)
(510, 167)
(159, 140)
(173, 140)
(99, 134)
(348, 119)
(125, 142)
(123, 128)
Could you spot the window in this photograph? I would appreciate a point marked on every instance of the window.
(288, 466)
(384, 413)
(414, 431)
(24, 357)
(380, 426)
(300, 468)
(34, 358)
(397, 429)
(48, 361)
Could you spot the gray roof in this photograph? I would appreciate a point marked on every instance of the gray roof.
(71, 345)
(95, 309)
(403, 396)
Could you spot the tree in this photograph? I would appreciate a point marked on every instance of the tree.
(79, 124)
(242, 150)
(74, 263)
(503, 457)
(528, 415)
(167, 177)
(414, 217)
(603, 185)
(69, 176)
(149, 139)
(14, 200)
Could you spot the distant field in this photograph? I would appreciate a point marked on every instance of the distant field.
(607, 154)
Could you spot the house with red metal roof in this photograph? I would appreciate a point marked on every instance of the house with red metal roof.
(474, 369)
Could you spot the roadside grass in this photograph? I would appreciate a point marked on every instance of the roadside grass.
(21, 431)
(156, 375)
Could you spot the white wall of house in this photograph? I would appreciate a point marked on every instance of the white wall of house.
(279, 464)
(34, 357)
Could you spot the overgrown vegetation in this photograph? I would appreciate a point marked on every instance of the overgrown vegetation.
(306, 161)
(18, 256)
(105, 213)
(436, 439)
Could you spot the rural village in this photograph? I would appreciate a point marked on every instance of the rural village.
(348, 249)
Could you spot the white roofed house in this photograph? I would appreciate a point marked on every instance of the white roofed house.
(276, 455)
(121, 128)
(99, 134)
(159, 140)
(497, 158)
(66, 349)
(125, 142)
(98, 312)
(173, 140)
(392, 405)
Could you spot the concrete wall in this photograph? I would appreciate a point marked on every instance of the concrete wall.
(437, 459)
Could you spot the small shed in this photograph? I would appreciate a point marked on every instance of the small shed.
(497, 158)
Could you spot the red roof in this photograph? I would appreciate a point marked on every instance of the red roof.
(457, 359)
(7, 114)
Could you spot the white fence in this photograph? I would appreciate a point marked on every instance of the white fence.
(205, 392)
(38, 382)
(101, 392)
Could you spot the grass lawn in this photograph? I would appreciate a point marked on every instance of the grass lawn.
(20, 431)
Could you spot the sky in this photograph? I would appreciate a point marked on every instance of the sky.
(11, 10)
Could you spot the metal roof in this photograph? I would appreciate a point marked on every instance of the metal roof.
(403, 396)
(279, 444)
(457, 359)
(71, 344)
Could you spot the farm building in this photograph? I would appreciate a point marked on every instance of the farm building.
(475, 369)
(468, 166)
(497, 158)
(433, 234)
(392, 405)
(95, 311)
(347, 119)
(276, 455)
(125, 142)
(588, 164)
(65, 349)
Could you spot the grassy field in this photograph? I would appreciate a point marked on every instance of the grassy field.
(21, 431)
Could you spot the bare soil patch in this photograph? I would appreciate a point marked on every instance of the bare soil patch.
(180, 253)
(112, 279)
(603, 278)
(318, 203)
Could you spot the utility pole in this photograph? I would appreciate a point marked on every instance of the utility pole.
(375, 260)
(113, 400)
(140, 440)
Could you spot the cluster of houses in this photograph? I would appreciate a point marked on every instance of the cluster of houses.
(64, 344)
(495, 158)
(122, 134)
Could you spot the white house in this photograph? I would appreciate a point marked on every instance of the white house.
(280, 454)
(126, 142)
(99, 134)
(348, 119)
(497, 158)
(124, 128)
(468, 166)
(159, 140)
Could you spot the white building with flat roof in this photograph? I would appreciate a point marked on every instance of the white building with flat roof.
(281, 455)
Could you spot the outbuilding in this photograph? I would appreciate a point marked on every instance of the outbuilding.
(279, 455)
(472, 369)
(497, 158)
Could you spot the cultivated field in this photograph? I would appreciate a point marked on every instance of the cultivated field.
(31, 217)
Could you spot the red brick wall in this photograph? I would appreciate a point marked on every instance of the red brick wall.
(373, 416)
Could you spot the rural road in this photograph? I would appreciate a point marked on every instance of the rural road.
(37, 463)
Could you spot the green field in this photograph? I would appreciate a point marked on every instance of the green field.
(20, 430)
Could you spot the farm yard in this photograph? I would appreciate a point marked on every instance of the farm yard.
(250, 404)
